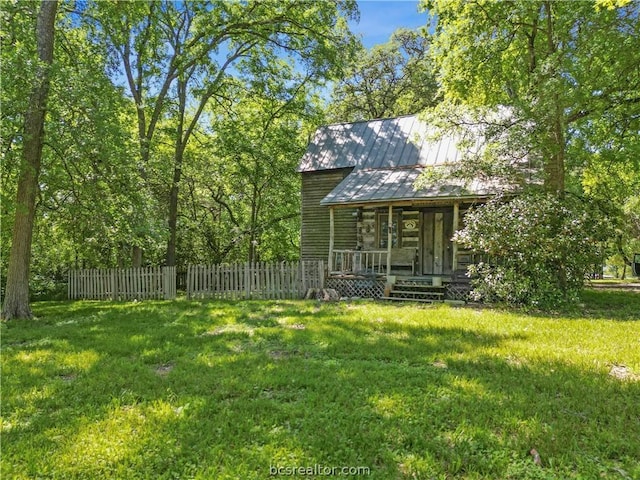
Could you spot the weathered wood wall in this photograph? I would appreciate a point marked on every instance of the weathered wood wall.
(314, 241)
(369, 225)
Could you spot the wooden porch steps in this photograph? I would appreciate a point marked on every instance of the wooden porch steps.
(421, 300)
(416, 290)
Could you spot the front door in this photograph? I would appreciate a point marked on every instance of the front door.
(437, 228)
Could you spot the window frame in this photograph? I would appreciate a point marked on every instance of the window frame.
(382, 221)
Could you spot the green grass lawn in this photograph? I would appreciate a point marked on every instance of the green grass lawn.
(238, 390)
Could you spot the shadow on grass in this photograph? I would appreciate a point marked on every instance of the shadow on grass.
(230, 390)
(610, 304)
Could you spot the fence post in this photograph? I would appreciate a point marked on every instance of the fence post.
(321, 273)
(188, 282)
(112, 284)
(168, 281)
(285, 275)
(165, 282)
(174, 282)
(247, 280)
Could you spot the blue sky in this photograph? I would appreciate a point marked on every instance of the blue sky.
(380, 18)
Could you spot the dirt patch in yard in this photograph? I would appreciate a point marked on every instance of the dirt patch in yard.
(622, 372)
(164, 369)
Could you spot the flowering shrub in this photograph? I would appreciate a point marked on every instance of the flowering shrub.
(540, 248)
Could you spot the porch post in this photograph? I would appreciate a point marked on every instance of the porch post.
(389, 239)
(456, 217)
(331, 238)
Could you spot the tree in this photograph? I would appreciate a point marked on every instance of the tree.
(88, 186)
(16, 302)
(389, 80)
(615, 185)
(259, 144)
(525, 239)
(241, 195)
(561, 70)
(177, 56)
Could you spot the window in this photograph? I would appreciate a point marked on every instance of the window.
(383, 224)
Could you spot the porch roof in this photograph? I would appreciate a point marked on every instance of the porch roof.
(385, 185)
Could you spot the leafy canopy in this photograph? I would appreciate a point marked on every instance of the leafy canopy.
(388, 80)
(567, 72)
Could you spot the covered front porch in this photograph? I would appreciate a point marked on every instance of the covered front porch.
(402, 235)
(402, 252)
(403, 241)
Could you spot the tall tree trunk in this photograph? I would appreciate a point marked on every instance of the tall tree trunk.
(178, 157)
(136, 256)
(16, 302)
(554, 165)
(173, 211)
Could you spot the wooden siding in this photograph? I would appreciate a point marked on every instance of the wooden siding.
(314, 241)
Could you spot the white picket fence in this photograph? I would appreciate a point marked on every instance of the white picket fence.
(123, 283)
(283, 280)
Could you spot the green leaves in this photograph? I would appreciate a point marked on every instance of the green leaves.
(539, 249)
(556, 65)
(181, 60)
(150, 98)
(389, 80)
(567, 75)
(248, 188)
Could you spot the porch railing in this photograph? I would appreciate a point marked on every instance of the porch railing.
(359, 262)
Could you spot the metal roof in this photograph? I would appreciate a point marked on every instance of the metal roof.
(386, 143)
(396, 184)
(387, 156)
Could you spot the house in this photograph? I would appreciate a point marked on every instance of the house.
(362, 214)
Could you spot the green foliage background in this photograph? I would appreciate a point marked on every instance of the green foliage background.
(250, 74)
(553, 90)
